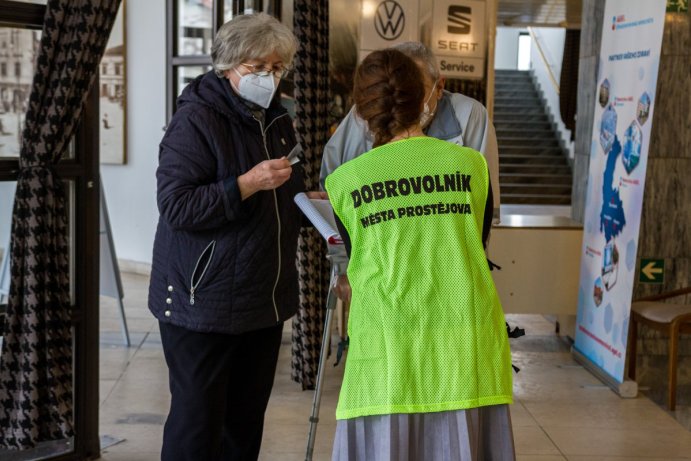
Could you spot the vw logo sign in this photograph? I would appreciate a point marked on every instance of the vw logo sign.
(389, 21)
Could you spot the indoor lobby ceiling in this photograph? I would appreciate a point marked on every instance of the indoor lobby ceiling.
(524, 13)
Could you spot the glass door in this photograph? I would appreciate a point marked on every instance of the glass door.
(20, 30)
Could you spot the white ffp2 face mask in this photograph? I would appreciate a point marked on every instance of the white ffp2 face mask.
(257, 89)
(427, 114)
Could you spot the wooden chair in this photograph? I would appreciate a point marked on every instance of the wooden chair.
(675, 319)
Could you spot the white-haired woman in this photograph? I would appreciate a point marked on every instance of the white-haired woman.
(223, 276)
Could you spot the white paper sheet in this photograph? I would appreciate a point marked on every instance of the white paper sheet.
(320, 213)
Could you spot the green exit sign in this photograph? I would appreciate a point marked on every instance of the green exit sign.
(652, 271)
(677, 6)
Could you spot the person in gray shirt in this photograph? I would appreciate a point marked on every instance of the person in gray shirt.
(450, 116)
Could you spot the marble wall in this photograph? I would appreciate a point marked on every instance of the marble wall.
(591, 35)
(666, 218)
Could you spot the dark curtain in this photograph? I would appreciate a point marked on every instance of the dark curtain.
(311, 27)
(568, 80)
(36, 363)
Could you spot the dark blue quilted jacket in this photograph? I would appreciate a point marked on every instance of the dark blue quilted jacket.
(221, 264)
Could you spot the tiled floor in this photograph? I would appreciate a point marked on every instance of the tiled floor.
(561, 412)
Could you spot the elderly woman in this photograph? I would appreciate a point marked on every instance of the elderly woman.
(223, 276)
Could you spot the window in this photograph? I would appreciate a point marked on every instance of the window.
(15, 87)
(524, 51)
(191, 27)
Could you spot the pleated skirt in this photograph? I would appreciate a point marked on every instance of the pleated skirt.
(477, 434)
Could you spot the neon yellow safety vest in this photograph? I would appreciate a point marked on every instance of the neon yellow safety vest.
(426, 326)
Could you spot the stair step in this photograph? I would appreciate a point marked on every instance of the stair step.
(511, 71)
(524, 98)
(512, 76)
(514, 87)
(514, 81)
(515, 78)
(501, 125)
(519, 118)
(530, 168)
(503, 79)
(509, 81)
(508, 97)
(534, 178)
(513, 92)
(518, 142)
(518, 113)
(540, 189)
(532, 150)
(504, 110)
(518, 102)
(528, 132)
(548, 151)
(536, 199)
(508, 84)
(533, 159)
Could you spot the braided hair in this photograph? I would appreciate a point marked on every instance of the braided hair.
(388, 93)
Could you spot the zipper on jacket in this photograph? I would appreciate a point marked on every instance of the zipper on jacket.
(193, 286)
(278, 216)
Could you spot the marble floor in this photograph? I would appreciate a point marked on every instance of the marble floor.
(561, 412)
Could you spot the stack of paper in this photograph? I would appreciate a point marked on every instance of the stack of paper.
(320, 214)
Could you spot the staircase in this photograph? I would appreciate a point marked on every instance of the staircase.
(533, 169)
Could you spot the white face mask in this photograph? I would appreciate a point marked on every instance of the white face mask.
(257, 89)
(427, 114)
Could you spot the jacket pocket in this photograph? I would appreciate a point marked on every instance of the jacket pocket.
(200, 268)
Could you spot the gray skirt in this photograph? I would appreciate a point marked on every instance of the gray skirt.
(477, 434)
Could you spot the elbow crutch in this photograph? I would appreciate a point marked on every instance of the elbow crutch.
(339, 263)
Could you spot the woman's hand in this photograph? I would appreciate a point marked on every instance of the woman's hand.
(342, 288)
(266, 175)
(317, 195)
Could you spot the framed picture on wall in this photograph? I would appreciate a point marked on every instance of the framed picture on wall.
(18, 50)
(113, 95)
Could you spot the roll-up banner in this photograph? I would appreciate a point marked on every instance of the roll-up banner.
(625, 99)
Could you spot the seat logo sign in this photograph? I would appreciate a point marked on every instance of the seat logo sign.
(459, 23)
(389, 21)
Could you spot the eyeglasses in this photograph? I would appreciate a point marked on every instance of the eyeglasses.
(262, 71)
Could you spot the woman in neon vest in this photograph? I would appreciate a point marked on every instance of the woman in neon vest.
(428, 374)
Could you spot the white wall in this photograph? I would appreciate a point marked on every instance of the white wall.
(7, 189)
(131, 189)
(506, 48)
(551, 42)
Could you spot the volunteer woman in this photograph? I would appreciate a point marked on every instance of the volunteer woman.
(428, 372)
